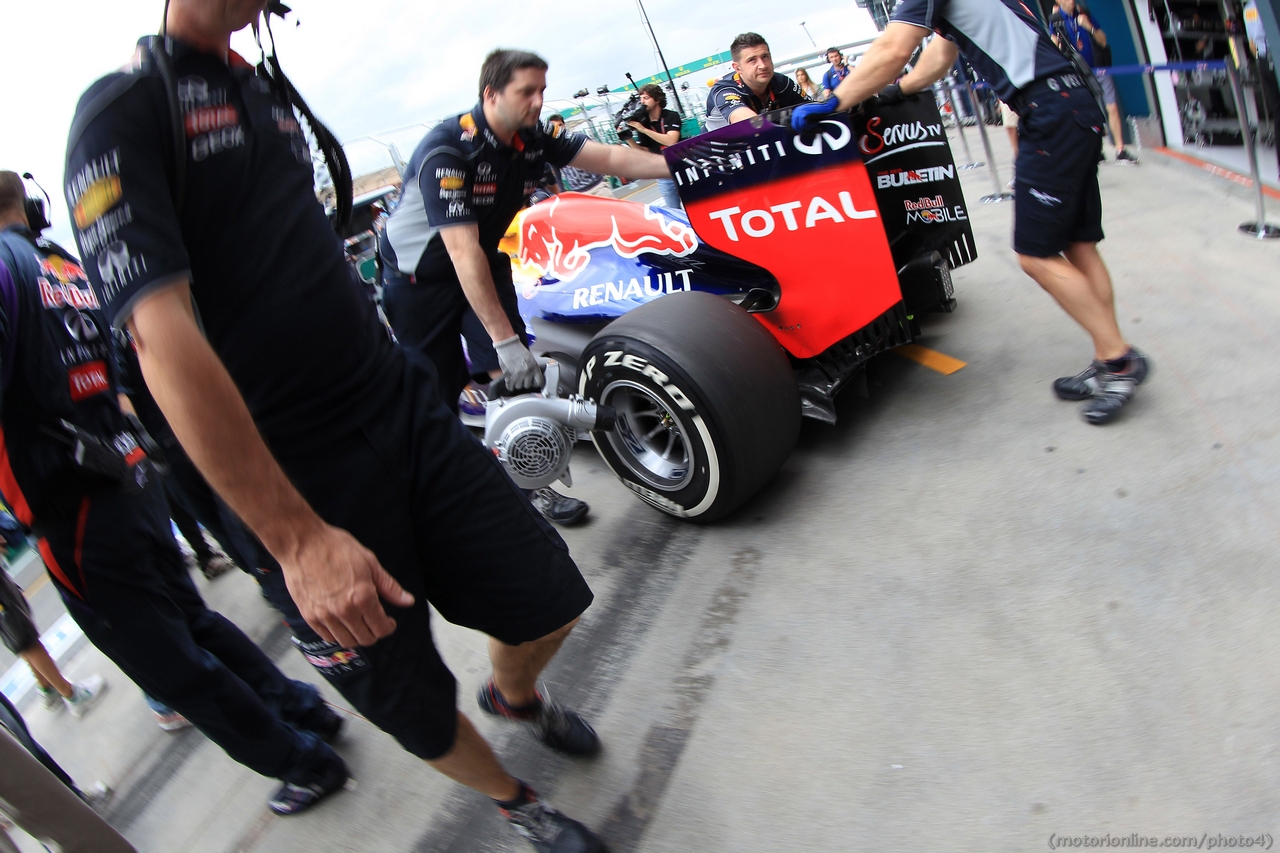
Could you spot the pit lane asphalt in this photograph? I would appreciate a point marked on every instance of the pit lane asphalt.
(961, 619)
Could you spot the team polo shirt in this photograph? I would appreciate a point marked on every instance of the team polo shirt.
(461, 174)
(1002, 39)
(730, 92)
(834, 76)
(666, 121)
(272, 291)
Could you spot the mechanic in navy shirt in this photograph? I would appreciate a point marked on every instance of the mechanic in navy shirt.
(836, 73)
(1058, 212)
(751, 87)
(104, 535)
(327, 439)
(464, 184)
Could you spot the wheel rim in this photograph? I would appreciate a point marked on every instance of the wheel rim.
(647, 437)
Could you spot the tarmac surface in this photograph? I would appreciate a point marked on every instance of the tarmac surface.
(962, 619)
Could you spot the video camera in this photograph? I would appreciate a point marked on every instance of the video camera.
(631, 111)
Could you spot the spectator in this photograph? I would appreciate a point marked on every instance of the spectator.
(806, 84)
(837, 72)
(1091, 42)
(656, 129)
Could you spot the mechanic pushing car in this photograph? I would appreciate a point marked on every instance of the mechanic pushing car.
(751, 87)
(330, 441)
(464, 184)
(1058, 209)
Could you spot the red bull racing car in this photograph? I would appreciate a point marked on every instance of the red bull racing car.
(709, 332)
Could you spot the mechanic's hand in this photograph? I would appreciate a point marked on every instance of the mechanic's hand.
(336, 583)
(520, 370)
(807, 114)
(891, 94)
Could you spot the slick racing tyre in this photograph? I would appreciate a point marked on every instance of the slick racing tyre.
(706, 401)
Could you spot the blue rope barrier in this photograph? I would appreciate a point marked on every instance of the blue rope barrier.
(1205, 65)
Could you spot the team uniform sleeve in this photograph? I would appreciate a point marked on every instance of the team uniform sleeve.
(921, 13)
(792, 94)
(672, 119)
(445, 182)
(724, 99)
(559, 151)
(8, 311)
(829, 80)
(118, 191)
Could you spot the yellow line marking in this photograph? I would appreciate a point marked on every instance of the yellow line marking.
(932, 359)
(36, 584)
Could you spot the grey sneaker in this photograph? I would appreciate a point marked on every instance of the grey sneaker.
(216, 566)
(85, 694)
(549, 831)
(1084, 384)
(1124, 158)
(50, 698)
(559, 508)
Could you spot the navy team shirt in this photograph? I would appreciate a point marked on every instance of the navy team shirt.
(271, 288)
(730, 92)
(461, 174)
(1002, 39)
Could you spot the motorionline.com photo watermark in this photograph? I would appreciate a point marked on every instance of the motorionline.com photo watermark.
(1204, 841)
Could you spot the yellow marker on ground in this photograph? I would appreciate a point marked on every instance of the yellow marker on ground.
(932, 359)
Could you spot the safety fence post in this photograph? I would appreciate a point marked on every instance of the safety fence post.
(1000, 194)
(946, 86)
(1259, 228)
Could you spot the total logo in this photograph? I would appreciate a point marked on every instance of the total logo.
(829, 136)
(898, 137)
(761, 223)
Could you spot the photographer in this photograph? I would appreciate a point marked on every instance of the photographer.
(655, 128)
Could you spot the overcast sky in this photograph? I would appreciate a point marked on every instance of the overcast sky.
(371, 66)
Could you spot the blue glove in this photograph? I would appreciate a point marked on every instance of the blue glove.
(807, 114)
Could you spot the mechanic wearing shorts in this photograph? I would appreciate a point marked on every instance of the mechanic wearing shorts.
(1058, 213)
(331, 442)
(77, 472)
(467, 179)
(751, 87)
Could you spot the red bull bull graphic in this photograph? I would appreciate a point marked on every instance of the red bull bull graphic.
(557, 236)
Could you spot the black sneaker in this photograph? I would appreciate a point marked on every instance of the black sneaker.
(323, 722)
(1084, 384)
(1124, 158)
(549, 831)
(559, 508)
(1114, 391)
(555, 725)
(293, 799)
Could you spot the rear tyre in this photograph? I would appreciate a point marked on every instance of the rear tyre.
(706, 400)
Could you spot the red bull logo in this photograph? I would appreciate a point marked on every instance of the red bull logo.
(557, 236)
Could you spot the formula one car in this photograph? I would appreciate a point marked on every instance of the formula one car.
(706, 334)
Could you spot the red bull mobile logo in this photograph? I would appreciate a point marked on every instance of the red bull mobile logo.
(558, 240)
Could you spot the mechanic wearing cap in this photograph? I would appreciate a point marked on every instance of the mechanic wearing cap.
(751, 87)
(76, 471)
(1058, 212)
(465, 182)
(330, 441)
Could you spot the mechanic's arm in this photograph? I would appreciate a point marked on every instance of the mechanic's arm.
(881, 64)
(742, 114)
(463, 245)
(620, 161)
(935, 62)
(335, 580)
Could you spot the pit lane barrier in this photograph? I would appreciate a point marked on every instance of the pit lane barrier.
(966, 91)
(1259, 228)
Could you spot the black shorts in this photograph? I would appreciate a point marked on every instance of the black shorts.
(430, 315)
(17, 630)
(1057, 198)
(446, 521)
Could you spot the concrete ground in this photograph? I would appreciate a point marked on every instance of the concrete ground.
(962, 619)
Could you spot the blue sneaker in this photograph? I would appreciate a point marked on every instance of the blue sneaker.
(471, 405)
(293, 799)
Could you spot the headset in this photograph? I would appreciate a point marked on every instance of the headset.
(37, 211)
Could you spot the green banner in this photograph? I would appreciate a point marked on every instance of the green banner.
(688, 68)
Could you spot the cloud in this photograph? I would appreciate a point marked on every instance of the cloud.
(372, 66)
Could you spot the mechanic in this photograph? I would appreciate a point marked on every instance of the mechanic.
(835, 74)
(78, 474)
(1091, 42)
(470, 175)
(751, 87)
(655, 130)
(328, 439)
(1058, 211)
